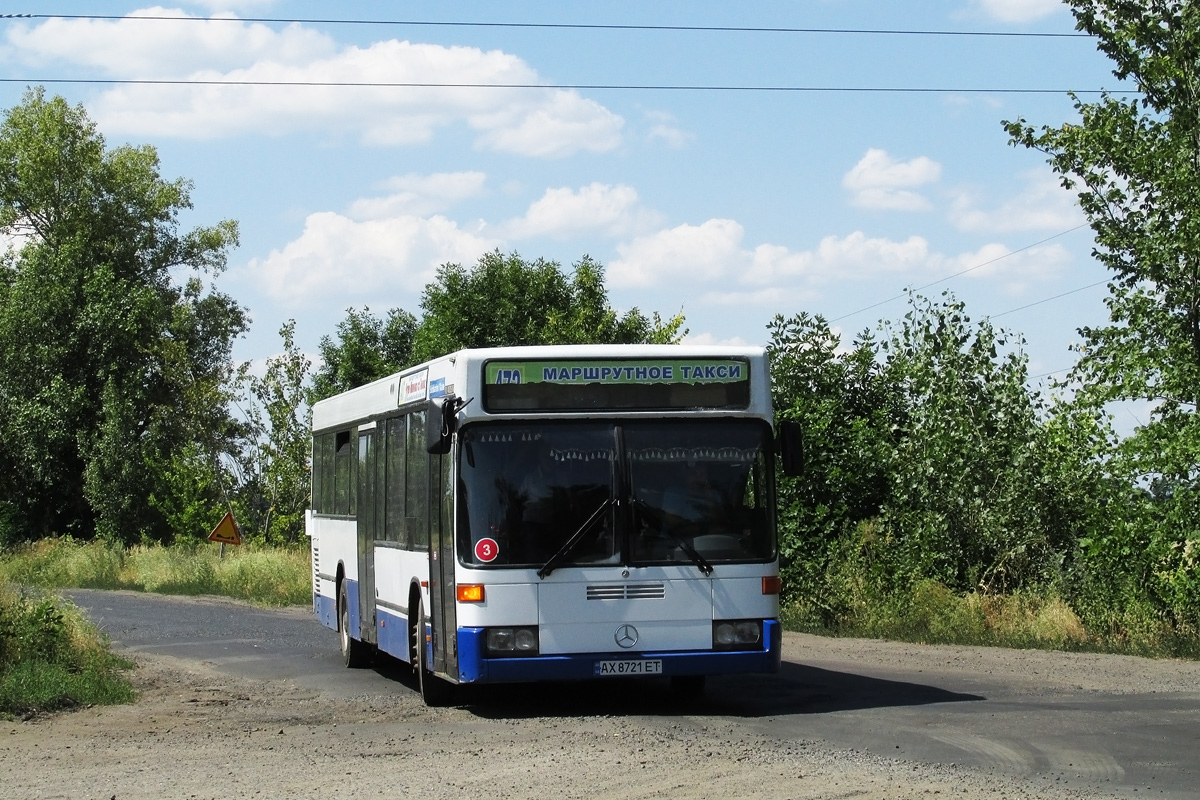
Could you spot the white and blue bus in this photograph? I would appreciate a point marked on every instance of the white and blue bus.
(553, 513)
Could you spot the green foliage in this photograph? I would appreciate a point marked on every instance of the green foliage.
(110, 366)
(1135, 167)
(367, 348)
(273, 470)
(934, 472)
(52, 658)
(505, 300)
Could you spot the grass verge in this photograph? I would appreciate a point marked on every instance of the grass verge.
(930, 613)
(52, 658)
(266, 576)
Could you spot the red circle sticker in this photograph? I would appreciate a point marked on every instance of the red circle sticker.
(487, 549)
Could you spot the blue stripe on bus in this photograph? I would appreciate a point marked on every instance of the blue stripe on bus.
(393, 633)
(326, 610)
(475, 667)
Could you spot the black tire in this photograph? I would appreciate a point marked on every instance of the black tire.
(434, 691)
(355, 653)
(687, 687)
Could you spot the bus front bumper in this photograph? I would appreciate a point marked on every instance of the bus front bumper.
(475, 667)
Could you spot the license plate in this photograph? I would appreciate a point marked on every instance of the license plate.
(629, 666)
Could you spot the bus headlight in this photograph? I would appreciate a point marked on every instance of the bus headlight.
(737, 634)
(512, 642)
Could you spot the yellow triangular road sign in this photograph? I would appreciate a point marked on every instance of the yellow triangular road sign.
(226, 531)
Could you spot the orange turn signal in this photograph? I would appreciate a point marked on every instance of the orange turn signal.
(470, 593)
(772, 584)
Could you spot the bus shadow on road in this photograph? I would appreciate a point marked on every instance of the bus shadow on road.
(797, 689)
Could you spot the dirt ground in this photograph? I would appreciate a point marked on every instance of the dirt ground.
(198, 734)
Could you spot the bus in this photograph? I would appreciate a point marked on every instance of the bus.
(553, 513)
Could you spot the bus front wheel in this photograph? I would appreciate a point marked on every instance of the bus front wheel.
(434, 690)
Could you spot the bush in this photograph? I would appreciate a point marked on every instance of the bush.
(51, 657)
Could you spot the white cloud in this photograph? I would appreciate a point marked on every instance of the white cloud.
(664, 129)
(1014, 272)
(565, 212)
(420, 195)
(130, 48)
(836, 258)
(713, 251)
(1018, 10)
(878, 181)
(1042, 205)
(766, 274)
(708, 339)
(686, 253)
(338, 256)
(533, 122)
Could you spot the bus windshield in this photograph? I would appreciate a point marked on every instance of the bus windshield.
(636, 493)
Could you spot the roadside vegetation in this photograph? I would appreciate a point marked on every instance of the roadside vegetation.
(51, 658)
(268, 576)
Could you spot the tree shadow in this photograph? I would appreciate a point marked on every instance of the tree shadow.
(795, 690)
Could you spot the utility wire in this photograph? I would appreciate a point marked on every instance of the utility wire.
(962, 272)
(555, 25)
(577, 86)
(1046, 300)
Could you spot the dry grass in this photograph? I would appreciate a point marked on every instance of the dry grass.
(268, 576)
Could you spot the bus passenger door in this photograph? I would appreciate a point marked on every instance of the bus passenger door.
(367, 454)
(442, 589)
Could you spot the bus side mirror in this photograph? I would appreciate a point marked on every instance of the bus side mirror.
(441, 416)
(791, 448)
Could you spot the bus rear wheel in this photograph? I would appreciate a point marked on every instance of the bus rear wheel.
(355, 653)
(434, 690)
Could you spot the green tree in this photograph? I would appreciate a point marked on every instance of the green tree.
(273, 470)
(928, 458)
(110, 365)
(1135, 167)
(849, 415)
(505, 300)
(367, 348)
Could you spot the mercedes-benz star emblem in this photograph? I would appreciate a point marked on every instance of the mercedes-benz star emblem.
(626, 636)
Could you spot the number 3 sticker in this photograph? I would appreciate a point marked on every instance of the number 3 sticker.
(487, 550)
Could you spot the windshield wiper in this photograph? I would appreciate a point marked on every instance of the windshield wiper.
(652, 513)
(575, 539)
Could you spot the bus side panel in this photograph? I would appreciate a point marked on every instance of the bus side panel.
(395, 571)
(392, 633)
(333, 545)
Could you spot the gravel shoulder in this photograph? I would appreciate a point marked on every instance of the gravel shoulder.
(197, 732)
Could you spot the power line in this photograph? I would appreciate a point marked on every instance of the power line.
(557, 26)
(576, 86)
(1048, 374)
(962, 272)
(1046, 300)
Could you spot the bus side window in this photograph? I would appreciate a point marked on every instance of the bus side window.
(395, 516)
(343, 474)
(323, 480)
(417, 483)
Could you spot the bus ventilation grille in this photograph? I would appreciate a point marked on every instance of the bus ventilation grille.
(620, 591)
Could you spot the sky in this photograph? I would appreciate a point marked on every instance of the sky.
(787, 189)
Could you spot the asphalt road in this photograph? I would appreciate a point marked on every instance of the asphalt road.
(970, 707)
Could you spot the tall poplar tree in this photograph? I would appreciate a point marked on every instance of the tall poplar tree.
(114, 352)
(1134, 162)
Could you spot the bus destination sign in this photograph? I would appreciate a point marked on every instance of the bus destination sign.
(669, 383)
(579, 372)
